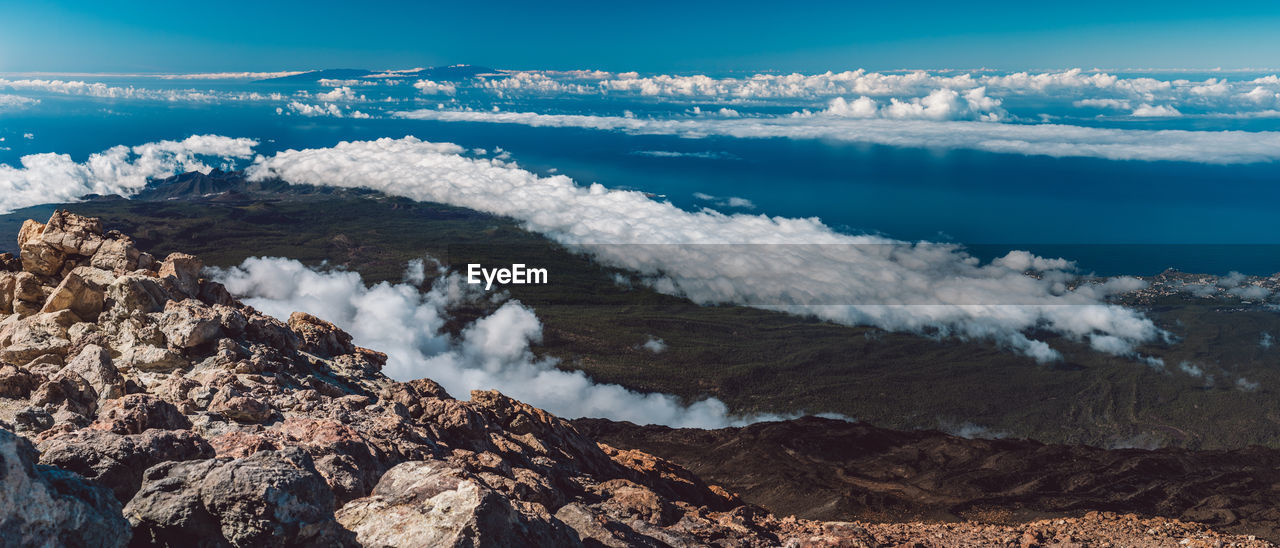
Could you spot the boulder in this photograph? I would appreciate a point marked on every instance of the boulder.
(183, 271)
(71, 234)
(8, 285)
(152, 358)
(349, 463)
(189, 323)
(137, 413)
(9, 263)
(432, 503)
(17, 382)
(68, 391)
(35, 336)
(271, 498)
(42, 506)
(320, 337)
(118, 255)
(242, 409)
(118, 461)
(136, 294)
(93, 363)
(47, 248)
(77, 295)
(33, 420)
(28, 294)
(38, 258)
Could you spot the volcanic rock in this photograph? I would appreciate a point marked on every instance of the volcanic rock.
(269, 498)
(434, 504)
(118, 461)
(39, 505)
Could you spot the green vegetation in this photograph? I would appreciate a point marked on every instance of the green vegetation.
(754, 360)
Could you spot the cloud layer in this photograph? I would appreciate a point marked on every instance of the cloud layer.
(1162, 97)
(491, 353)
(803, 267)
(840, 123)
(53, 178)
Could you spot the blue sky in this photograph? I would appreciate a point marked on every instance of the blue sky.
(654, 36)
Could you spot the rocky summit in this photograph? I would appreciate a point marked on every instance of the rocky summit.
(142, 404)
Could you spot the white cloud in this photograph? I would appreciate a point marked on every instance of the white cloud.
(1218, 147)
(15, 102)
(705, 154)
(331, 83)
(340, 94)
(53, 178)
(491, 353)
(326, 109)
(1266, 342)
(1118, 104)
(101, 90)
(1159, 111)
(862, 107)
(305, 109)
(1246, 385)
(429, 87)
(230, 75)
(655, 345)
(1251, 292)
(732, 201)
(1191, 369)
(798, 266)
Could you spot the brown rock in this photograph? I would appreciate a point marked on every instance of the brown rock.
(9, 263)
(242, 409)
(136, 413)
(184, 271)
(36, 335)
(93, 363)
(67, 391)
(118, 460)
(320, 337)
(189, 323)
(8, 285)
(27, 290)
(236, 444)
(46, 248)
(17, 383)
(76, 295)
(71, 234)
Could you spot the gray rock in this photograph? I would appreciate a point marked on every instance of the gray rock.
(42, 506)
(189, 323)
(152, 358)
(271, 498)
(135, 294)
(93, 363)
(432, 503)
(118, 461)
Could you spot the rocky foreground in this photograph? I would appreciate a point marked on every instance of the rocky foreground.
(141, 404)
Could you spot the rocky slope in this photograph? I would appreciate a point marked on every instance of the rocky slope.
(835, 470)
(152, 408)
